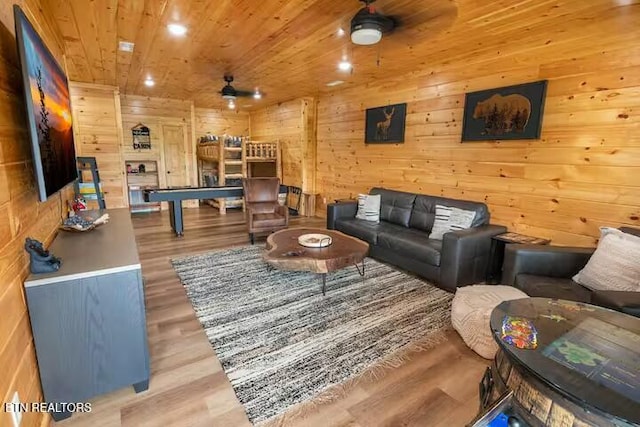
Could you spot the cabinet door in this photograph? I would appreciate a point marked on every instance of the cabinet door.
(90, 335)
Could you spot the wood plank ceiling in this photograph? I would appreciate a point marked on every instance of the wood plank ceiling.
(287, 48)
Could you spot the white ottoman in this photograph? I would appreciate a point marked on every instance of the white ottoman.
(471, 310)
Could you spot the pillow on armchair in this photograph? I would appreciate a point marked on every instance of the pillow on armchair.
(615, 265)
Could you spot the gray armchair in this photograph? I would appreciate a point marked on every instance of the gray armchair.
(547, 271)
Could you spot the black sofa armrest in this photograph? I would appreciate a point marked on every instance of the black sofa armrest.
(624, 301)
(541, 260)
(465, 255)
(340, 210)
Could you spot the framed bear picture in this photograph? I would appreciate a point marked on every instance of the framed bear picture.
(511, 112)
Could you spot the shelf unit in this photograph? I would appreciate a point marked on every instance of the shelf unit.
(138, 181)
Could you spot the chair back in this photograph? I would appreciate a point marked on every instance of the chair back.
(261, 193)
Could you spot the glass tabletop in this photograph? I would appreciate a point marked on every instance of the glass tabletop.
(589, 354)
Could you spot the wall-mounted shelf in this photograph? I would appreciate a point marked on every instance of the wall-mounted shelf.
(137, 182)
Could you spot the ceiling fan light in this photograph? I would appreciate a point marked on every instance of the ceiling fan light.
(366, 35)
(344, 65)
(228, 97)
(177, 29)
(231, 105)
(257, 95)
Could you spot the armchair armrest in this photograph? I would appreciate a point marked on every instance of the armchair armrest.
(340, 210)
(624, 301)
(550, 261)
(284, 211)
(465, 255)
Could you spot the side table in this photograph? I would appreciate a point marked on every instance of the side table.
(496, 254)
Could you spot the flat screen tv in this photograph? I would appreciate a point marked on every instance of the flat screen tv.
(48, 110)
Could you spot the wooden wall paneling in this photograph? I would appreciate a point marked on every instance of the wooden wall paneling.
(192, 163)
(98, 133)
(293, 123)
(283, 122)
(220, 122)
(156, 113)
(581, 174)
(21, 214)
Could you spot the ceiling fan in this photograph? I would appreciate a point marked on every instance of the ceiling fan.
(368, 25)
(230, 93)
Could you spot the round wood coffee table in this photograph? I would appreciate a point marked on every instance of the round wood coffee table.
(285, 253)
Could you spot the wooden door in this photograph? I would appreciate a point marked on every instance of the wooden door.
(174, 156)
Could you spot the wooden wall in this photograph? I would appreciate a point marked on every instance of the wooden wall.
(220, 122)
(104, 119)
(293, 124)
(21, 215)
(583, 172)
(154, 113)
(98, 133)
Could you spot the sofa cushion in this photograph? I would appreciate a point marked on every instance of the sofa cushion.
(368, 207)
(365, 230)
(412, 244)
(395, 206)
(615, 265)
(552, 287)
(424, 211)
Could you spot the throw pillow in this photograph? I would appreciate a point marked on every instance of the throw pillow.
(450, 219)
(369, 207)
(615, 265)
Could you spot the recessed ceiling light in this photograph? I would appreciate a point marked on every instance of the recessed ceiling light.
(344, 65)
(257, 94)
(335, 83)
(149, 82)
(177, 29)
(125, 46)
(341, 32)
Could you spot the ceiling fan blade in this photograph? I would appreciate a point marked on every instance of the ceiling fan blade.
(244, 93)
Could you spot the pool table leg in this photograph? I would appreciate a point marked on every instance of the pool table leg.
(175, 216)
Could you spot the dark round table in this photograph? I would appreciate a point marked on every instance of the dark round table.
(586, 363)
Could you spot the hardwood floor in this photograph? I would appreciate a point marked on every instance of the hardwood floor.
(189, 388)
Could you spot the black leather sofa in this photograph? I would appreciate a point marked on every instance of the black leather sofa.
(402, 237)
(547, 271)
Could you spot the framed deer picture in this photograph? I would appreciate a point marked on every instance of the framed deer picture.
(385, 125)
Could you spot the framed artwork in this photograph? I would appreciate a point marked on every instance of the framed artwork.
(141, 137)
(511, 112)
(48, 107)
(385, 125)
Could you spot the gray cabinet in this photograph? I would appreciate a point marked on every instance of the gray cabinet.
(88, 318)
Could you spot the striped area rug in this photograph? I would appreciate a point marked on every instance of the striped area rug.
(281, 343)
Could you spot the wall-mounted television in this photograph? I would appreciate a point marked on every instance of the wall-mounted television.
(48, 107)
